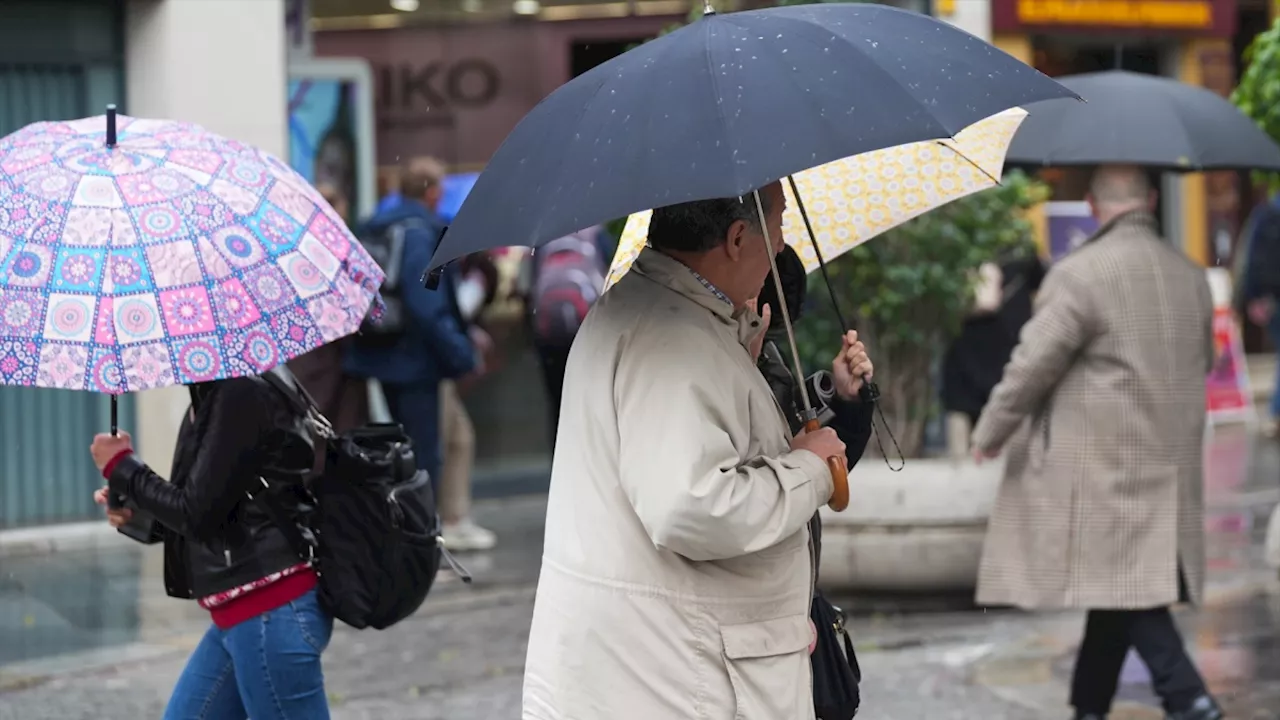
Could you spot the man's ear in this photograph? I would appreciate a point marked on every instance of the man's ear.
(735, 240)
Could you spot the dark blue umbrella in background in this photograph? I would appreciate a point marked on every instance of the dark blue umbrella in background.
(1137, 119)
(728, 104)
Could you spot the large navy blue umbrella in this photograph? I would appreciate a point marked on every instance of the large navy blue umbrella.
(1146, 120)
(727, 105)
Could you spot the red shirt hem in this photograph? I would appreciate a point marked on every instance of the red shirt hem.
(264, 599)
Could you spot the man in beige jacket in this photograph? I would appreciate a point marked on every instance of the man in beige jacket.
(1102, 409)
(677, 573)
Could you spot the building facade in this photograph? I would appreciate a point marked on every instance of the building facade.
(62, 59)
(57, 61)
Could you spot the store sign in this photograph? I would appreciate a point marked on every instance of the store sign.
(466, 83)
(451, 92)
(1195, 17)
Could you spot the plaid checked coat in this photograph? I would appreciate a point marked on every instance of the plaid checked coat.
(1101, 415)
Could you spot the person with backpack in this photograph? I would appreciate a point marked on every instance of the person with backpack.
(342, 398)
(567, 276)
(260, 657)
(417, 342)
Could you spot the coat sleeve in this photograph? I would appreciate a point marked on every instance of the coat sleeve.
(225, 464)
(432, 310)
(852, 422)
(1063, 324)
(693, 490)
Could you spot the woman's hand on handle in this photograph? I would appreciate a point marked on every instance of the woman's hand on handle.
(117, 518)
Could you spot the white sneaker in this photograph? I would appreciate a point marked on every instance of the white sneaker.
(466, 536)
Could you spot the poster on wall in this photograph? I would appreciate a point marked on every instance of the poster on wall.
(331, 131)
(1228, 396)
(1070, 225)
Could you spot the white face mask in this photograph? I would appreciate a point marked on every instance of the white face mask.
(470, 295)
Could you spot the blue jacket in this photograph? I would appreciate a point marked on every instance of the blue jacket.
(433, 347)
(1261, 277)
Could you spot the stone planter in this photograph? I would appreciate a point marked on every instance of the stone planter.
(919, 530)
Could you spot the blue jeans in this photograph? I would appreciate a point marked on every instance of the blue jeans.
(416, 406)
(265, 668)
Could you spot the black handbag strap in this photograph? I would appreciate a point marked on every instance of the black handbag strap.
(305, 550)
(287, 385)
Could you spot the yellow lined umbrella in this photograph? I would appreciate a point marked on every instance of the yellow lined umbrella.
(852, 200)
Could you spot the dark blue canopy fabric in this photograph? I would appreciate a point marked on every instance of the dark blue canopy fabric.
(1136, 119)
(728, 104)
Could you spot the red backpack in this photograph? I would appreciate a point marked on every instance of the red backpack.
(569, 275)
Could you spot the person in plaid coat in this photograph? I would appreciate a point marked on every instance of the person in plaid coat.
(1101, 416)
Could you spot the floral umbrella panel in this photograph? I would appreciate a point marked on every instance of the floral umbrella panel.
(854, 199)
(176, 257)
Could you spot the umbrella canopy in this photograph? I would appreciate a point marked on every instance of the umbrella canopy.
(161, 255)
(728, 104)
(854, 199)
(1136, 119)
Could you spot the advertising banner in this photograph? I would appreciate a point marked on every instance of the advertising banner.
(331, 128)
(1228, 397)
(1070, 224)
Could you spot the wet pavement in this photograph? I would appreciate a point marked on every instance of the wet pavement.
(87, 633)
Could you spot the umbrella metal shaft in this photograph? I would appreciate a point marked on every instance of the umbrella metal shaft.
(782, 301)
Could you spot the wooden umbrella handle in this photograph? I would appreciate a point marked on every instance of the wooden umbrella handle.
(839, 475)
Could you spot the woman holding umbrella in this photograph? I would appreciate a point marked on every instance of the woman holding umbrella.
(835, 669)
(186, 258)
(261, 656)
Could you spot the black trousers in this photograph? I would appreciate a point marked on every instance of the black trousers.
(1108, 635)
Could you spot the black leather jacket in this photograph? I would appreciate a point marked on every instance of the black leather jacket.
(215, 537)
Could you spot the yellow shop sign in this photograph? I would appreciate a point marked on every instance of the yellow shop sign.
(1171, 14)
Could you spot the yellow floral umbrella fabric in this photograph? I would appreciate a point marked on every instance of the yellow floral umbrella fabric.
(852, 200)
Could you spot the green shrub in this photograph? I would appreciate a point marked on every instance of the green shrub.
(1258, 94)
(907, 293)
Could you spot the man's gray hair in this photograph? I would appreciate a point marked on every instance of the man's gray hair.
(1119, 186)
(702, 225)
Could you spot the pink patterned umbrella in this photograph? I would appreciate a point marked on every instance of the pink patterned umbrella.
(163, 254)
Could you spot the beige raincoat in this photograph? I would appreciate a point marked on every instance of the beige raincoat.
(676, 575)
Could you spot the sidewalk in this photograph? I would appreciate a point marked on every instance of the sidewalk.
(462, 656)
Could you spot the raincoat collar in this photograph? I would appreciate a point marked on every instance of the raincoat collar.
(675, 275)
